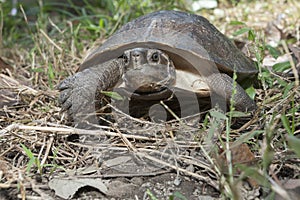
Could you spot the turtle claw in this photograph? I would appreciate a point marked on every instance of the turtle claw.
(66, 84)
(66, 93)
(77, 93)
(66, 104)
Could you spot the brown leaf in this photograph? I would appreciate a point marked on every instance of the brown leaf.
(240, 154)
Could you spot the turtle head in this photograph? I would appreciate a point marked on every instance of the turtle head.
(148, 70)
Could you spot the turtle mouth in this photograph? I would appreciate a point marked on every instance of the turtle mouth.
(149, 80)
(163, 93)
(142, 83)
(152, 88)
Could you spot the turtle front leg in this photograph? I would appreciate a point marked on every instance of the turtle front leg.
(221, 85)
(78, 93)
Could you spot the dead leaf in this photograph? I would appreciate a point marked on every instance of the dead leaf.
(117, 161)
(240, 154)
(66, 188)
(89, 170)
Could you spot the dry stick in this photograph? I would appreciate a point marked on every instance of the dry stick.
(14, 84)
(65, 126)
(197, 163)
(182, 144)
(7, 150)
(252, 121)
(43, 194)
(63, 131)
(43, 144)
(188, 161)
(55, 26)
(294, 69)
(279, 190)
(181, 158)
(202, 178)
(50, 40)
(70, 131)
(88, 132)
(144, 174)
(282, 101)
(126, 141)
(132, 118)
(49, 145)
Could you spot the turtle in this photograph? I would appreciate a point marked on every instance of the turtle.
(155, 55)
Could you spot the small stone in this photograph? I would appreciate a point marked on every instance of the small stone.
(190, 168)
(177, 181)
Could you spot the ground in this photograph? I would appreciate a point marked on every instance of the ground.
(43, 156)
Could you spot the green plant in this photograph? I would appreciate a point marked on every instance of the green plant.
(151, 195)
(32, 160)
(35, 162)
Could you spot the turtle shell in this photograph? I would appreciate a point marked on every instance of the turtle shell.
(191, 41)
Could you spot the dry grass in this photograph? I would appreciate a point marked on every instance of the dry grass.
(30, 115)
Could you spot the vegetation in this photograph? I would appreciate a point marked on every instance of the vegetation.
(46, 41)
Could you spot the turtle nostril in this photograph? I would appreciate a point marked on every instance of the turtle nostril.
(136, 54)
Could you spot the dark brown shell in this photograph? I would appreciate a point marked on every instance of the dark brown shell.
(190, 40)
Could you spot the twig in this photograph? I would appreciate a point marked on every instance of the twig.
(50, 40)
(63, 131)
(132, 118)
(124, 175)
(202, 178)
(126, 141)
(294, 69)
(49, 144)
(42, 194)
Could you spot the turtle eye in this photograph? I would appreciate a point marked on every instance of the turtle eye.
(125, 59)
(155, 57)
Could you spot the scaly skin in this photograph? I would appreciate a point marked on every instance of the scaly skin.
(222, 85)
(80, 91)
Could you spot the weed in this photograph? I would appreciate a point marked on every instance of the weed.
(32, 160)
